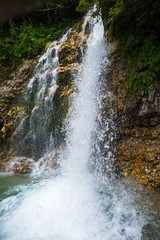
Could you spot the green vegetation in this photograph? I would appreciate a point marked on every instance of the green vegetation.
(135, 25)
(84, 5)
(25, 37)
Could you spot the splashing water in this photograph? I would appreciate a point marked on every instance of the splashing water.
(75, 204)
(35, 137)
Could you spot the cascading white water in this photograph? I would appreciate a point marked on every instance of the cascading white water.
(35, 135)
(75, 204)
(83, 115)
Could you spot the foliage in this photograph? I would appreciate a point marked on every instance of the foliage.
(135, 25)
(85, 4)
(25, 37)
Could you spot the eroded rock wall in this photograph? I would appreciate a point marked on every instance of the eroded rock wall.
(10, 109)
(138, 143)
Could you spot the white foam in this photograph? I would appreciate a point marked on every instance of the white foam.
(75, 205)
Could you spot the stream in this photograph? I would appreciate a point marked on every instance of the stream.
(78, 200)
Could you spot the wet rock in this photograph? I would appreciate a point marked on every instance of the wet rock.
(138, 148)
(151, 95)
(48, 163)
(9, 93)
(70, 54)
(54, 164)
(20, 165)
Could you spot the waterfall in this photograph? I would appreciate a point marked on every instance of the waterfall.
(75, 202)
(35, 137)
(84, 109)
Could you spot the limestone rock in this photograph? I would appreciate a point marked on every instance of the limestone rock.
(20, 165)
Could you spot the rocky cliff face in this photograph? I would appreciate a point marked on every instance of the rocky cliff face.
(10, 92)
(138, 145)
(11, 112)
(138, 148)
